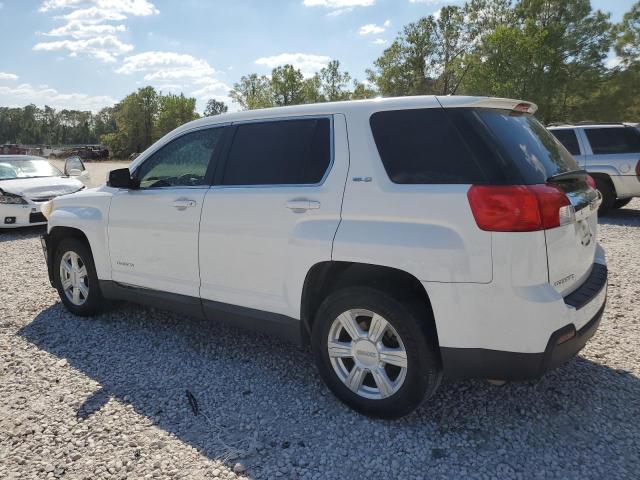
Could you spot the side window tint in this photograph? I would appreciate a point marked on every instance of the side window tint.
(569, 139)
(613, 140)
(182, 162)
(283, 152)
(422, 146)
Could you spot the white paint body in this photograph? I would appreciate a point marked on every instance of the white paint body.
(242, 246)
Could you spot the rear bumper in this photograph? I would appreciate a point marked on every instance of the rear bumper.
(465, 363)
(587, 304)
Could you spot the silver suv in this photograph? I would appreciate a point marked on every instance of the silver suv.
(610, 152)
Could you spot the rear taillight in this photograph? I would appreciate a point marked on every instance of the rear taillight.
(591, 182)
(638, 168)
(519, 208)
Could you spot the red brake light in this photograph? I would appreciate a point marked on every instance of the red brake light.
(522, 107)
(592, 183)
(638, 168)
(518, 208)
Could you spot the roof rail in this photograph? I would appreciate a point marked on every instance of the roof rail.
(591, 122)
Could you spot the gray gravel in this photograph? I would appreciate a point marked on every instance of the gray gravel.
(106, 397)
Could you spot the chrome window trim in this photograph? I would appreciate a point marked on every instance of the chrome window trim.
(285, 119)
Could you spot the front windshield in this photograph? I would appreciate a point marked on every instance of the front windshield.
(26, 168)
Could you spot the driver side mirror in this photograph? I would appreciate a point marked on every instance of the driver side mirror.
(121, 178)
(73, 167)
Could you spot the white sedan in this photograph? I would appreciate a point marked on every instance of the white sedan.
(26, 182)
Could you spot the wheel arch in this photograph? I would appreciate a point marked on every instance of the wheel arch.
(326, 277)
(55, 236)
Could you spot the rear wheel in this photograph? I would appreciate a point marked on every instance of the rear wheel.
(604, 185)
(374, 352)
(75, 278)
(621, 203)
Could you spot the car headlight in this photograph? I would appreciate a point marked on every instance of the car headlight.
(47, 209)
(11, 199)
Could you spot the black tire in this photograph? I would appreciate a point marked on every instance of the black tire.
(410, 320)
(604, 185)
(94, 301)
(621, 203)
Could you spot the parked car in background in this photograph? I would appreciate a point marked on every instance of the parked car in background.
(26, 182)
(610, 152)
(403, 238)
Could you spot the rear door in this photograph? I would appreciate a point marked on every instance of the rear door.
(153, 230)
(273, 212)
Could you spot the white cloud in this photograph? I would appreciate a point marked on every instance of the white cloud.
(306, 63)
(105, 48)
(338, 3)
(8, 76)
(89, 24)
(43, 95)
(166, 66)
(175, 72)
(338, 7)
(379, 41)
(373, 29)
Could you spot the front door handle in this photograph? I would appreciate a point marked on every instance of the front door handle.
(302, 205)
(184, 203)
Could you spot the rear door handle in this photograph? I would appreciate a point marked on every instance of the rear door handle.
(184, 203)
(302, 205)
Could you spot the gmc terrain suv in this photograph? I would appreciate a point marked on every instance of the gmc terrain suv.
(403, 239)
(610, 152)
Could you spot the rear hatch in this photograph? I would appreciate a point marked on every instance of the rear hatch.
(532, 168)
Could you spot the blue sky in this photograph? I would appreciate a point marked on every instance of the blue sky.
(90, 53)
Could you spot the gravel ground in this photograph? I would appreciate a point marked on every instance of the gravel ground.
(106, 397)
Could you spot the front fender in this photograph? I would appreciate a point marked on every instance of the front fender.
(89, 213)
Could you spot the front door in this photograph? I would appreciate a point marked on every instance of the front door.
(153, 230)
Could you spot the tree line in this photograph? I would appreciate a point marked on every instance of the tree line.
(551, 52)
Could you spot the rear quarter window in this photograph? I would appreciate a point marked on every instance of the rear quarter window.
(422, 146)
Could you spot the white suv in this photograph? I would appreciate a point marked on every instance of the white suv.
(610, 152)
(403, 239)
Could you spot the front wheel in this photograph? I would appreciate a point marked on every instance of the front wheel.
(75, 278)
(375, 352)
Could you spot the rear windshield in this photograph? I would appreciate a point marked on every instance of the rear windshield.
(467, 145)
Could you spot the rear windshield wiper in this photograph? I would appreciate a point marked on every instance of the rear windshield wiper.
(573, 175)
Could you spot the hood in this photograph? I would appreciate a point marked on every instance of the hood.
(41, 189)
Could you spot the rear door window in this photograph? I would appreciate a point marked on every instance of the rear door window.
(569, 139)
(613, 140)
(284, 152)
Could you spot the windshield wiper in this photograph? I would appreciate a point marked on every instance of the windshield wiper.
(572, 175)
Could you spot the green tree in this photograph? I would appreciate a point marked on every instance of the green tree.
(362, 91)
(253, 91)
(334, 84)
(173, 111)
(215, 107)
(135, 118)
(287, 85)
(628, 36)
(426, 58)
